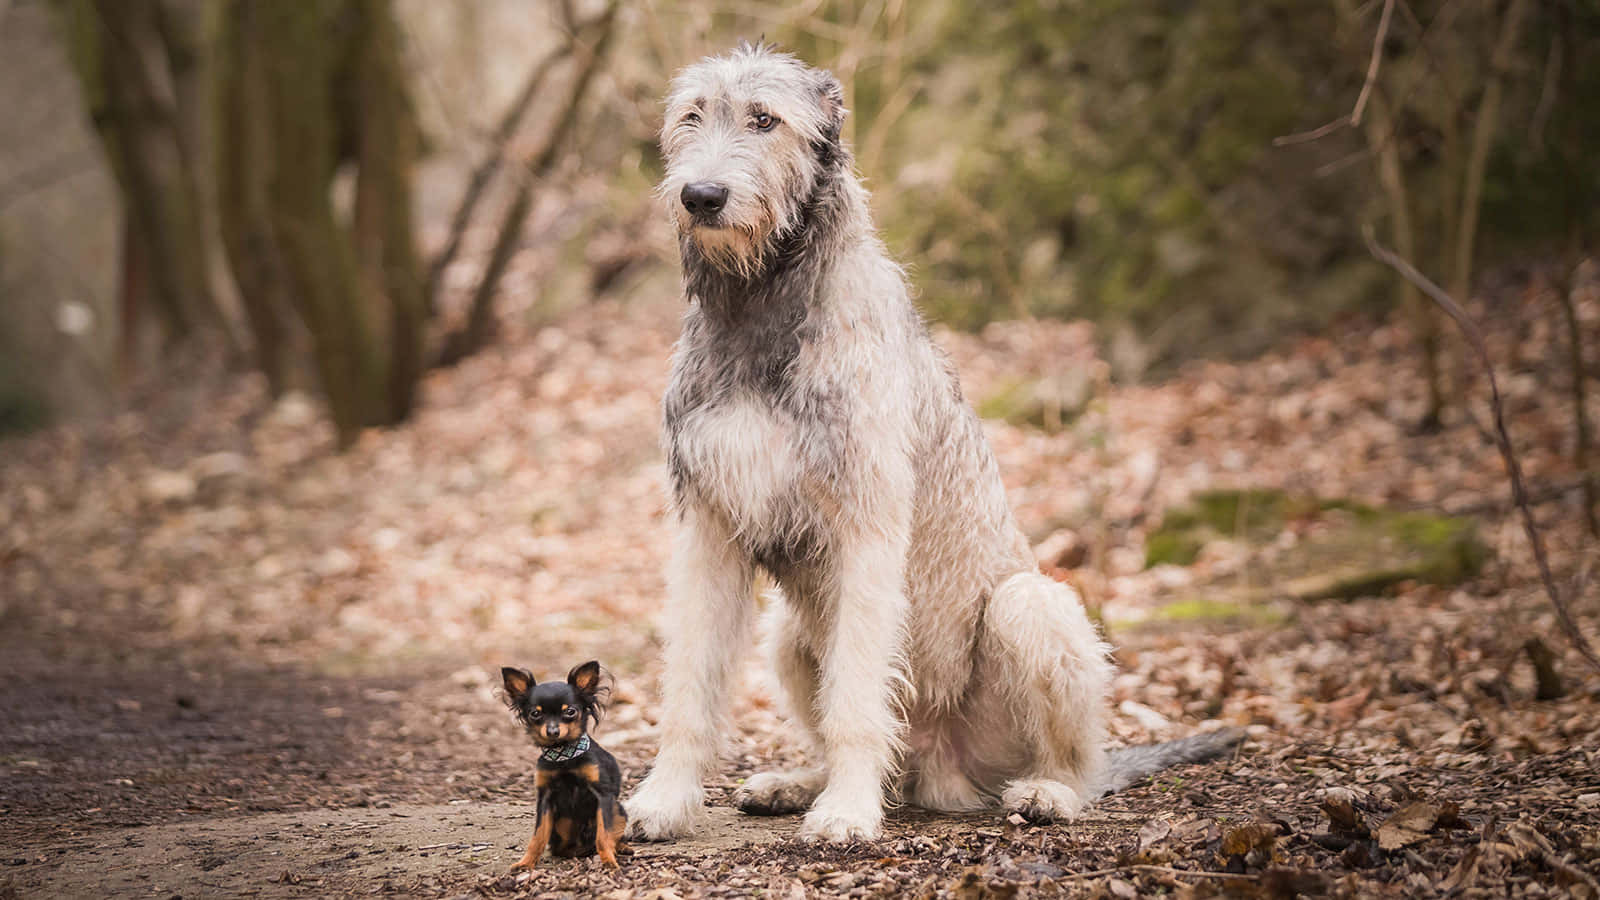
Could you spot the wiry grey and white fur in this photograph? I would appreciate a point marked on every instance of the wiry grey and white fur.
(815, 432)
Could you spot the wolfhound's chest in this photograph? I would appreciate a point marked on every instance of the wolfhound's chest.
(769, 472)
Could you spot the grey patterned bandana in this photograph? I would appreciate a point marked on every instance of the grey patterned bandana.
(566, 752)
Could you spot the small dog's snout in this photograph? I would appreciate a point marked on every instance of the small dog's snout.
(552, 730)
(704, 198)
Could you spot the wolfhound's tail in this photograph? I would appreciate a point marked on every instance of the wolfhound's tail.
(1127, 765)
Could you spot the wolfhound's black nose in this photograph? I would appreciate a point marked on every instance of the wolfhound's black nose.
(703, 198)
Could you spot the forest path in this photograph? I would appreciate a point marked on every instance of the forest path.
(214, 629)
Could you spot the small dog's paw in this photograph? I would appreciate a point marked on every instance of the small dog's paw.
(778, 793)
(838, 820)
(1042, 800)
(660, 813)
(523, 865)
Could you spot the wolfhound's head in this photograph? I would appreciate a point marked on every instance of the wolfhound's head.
(748, 137)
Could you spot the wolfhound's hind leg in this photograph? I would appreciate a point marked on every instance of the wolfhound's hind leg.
(790, 791)
(1046, 659)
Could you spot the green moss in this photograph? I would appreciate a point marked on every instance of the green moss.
(1006, 402)
(1048, 404)
(1211, 610)
(1357, 551)
(1451, 549)
(21, 412)
(1174, 548)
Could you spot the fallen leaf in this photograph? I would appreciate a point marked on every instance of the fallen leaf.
(1408, 825)
(1339, 806)
(1241, 840)
(1153, 832)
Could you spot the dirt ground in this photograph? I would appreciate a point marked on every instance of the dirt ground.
(234, 663)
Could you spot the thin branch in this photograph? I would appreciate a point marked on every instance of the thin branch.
(1377, 60)
(1549, 87)
(1519, 491)
(1538, 495)
(480, 317)
(1154, 870)
(1315, 134)
(1354, 118)
(510, 121)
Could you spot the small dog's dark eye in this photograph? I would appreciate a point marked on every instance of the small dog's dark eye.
(765, 121)
(569, 713)
(536, 715)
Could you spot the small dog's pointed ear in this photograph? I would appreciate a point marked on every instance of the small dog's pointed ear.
(518, 682)
(585, 678)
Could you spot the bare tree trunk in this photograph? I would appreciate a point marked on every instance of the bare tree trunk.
(1484, 126)
(244, 188)
(386, 154)
(298, 63)
(308, 81)
(1380, 130)
(189, 33)
(115, 48)
(120, 50)
(479, 328)
(1582, 453)
(485, 171)
(1379, 127)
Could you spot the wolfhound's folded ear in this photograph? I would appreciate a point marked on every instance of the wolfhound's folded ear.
(831, 94)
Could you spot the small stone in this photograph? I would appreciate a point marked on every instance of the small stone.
(169, 487)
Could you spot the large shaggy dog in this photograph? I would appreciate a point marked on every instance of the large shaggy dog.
(815, 432)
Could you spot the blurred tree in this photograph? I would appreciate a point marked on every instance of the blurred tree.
(357, 286)
(144, 72)
(1435, 115)
(1542, 190)
(230, 125)
(1113, 159)
(1116, 159)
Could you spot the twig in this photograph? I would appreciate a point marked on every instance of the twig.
(1377, 60)
(1537, 495)
(480, 317)
(1354, 118)
(1519, 492)
(486, 169)
(1153, 870)
(1306, 137)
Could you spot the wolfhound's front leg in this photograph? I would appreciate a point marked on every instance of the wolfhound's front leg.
(706, 620)
(862, 669)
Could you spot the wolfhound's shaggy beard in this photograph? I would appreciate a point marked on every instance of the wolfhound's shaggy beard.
(813, 431)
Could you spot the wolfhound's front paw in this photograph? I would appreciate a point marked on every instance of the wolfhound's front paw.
(1042, 800)
(779, 793)
(839, 819)
(661, 812)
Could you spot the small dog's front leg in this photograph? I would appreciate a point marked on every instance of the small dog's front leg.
(861, 671)
(544, 817)
(707, 618)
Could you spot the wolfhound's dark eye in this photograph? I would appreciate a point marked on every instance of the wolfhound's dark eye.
(765, 122)
(690, 118)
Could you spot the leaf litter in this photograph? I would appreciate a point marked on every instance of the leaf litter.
(210, 617)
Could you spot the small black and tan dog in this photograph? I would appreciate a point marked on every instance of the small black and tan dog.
(579, 784)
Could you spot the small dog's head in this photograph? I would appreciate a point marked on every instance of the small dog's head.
(556, 712)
